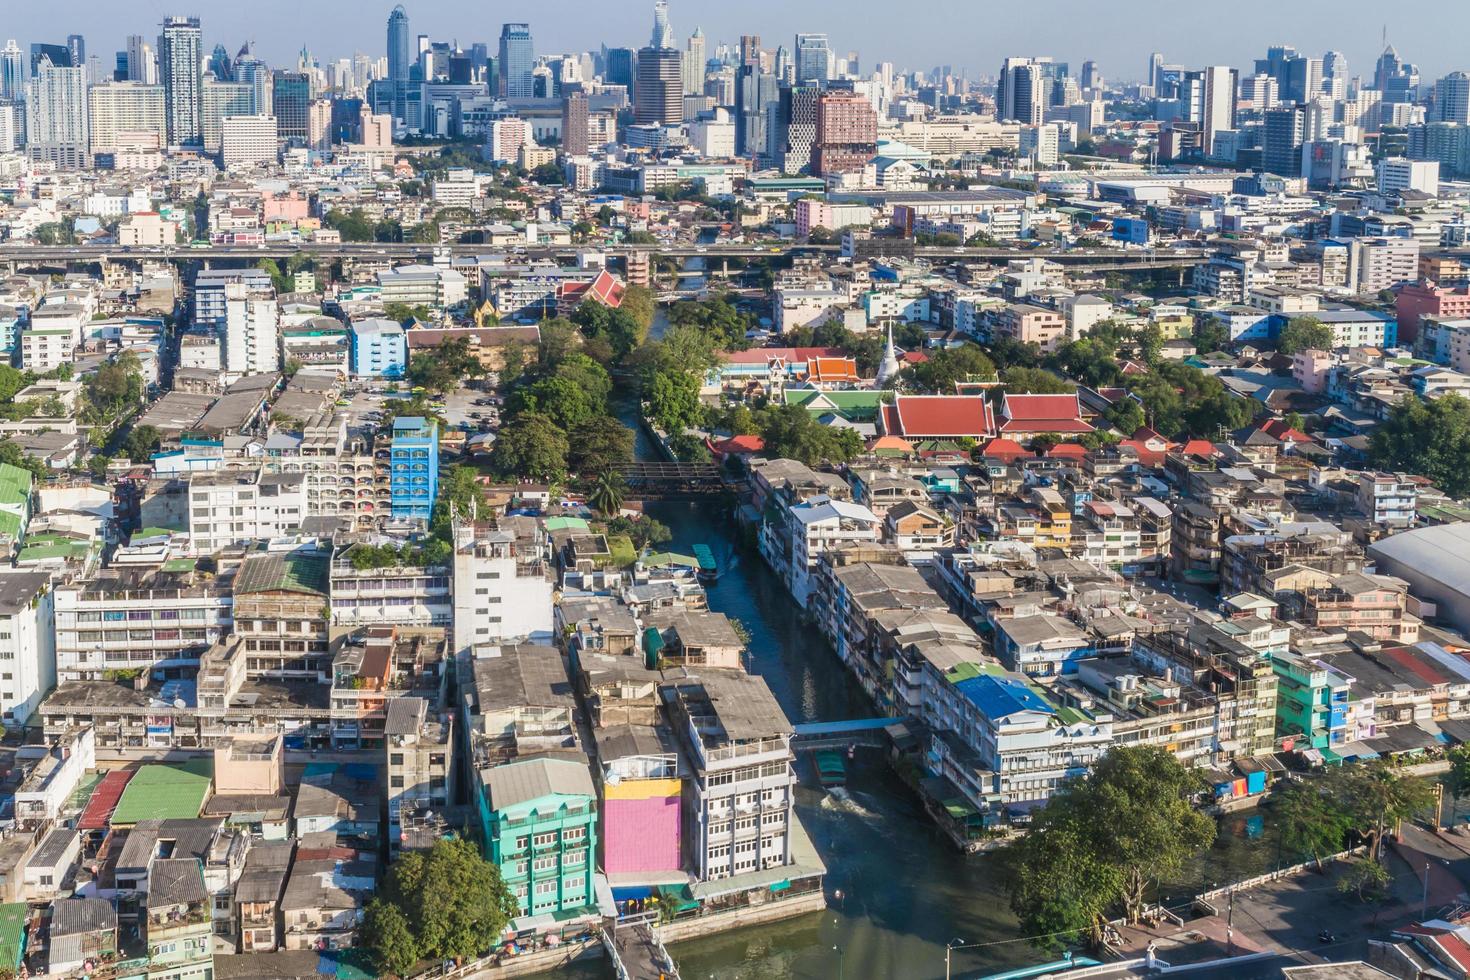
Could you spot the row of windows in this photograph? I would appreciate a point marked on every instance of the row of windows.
(144, 615)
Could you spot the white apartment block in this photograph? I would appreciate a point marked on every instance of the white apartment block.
(502, 588)
(27, 643)
(248, 141)
(138, 619)
(230, 507)
(251, 331)
(1397, 175)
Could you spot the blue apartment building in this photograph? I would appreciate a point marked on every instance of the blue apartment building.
(379, 349)
(414, 480)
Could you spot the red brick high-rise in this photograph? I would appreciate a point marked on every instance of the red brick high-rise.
(847, 133)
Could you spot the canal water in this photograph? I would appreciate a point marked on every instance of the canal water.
(897, 891)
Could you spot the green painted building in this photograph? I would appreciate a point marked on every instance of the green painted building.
(1311, 701)
(539, 818)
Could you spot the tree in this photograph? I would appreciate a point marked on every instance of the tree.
(1429, 438)
(1038, 381)
(451, 904)
(1377, 796)
(1210, 335)
(639, 302)
(1457, 780)
(11, 381)
(673, 402)
(598, 444)
(1305, 333)
(608, 492)
(790, 432)
(531, 447)
(1312, 819)
(946, 367)
(548, 174)
(1105, 840)
(12, 454)
(1126, 415)
(442, 369)
(558, 397)
(389, 937)
(1368, 878)
(821, 236)
(459, 496)
(141, 442)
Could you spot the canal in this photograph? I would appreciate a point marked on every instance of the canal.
(897, 891)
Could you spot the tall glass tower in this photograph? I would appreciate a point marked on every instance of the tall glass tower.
(517, 61)
(400, 51)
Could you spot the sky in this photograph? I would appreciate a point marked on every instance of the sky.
(967, 34)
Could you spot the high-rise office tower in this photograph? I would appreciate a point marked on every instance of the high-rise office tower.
(750, 49)
(76, 47)
(220, 65)
(517, 62)
(1396, 80)
(785, 70)
(291, 97)
(1275, 63)
(1155, 62)
(847, 133)
(1452, 98)
(813, 59)
(13, 72)
(1334, 65)
(400, 54)
(142, 66)
(800, 111)
(179, 58)
(694, 63)
(1020, 95)
(56, 116)
(574, 124)
(1303, 79)
(1091, 77)
(621, 68)
(663, 34)
(1282, 139)
(250, 70)
(658, 98)
(1208, 98)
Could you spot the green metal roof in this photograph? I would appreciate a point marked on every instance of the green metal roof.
(15, 484)
(663, 559)
(165, 792)
(566, 524)
(855, 406)
(9, 524)
(307, 574)
(179, 565)
(12, 934)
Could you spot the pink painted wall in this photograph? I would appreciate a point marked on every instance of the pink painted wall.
(641, 835)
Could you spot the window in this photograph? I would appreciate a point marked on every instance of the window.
(544, 864)
(395, 759)
(544, 840)
(396, 782)
(546, 887)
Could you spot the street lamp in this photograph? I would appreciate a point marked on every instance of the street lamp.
(838, 951)
(949, 948)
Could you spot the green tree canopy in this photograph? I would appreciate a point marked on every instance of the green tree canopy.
(949, 365)
(442, 369)
(673, 401)
(598, 444)
(1105, 841)
(790, 431)
(532, 447)
(1305, 333)
(451, 903)
(1036, 381)
(1429, 438)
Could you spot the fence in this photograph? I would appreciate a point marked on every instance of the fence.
(1203, 898)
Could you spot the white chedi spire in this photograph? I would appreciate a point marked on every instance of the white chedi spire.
(889, 367)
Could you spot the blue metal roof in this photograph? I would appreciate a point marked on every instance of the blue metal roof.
(997, 697)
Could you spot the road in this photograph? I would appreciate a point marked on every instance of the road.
(405, 251)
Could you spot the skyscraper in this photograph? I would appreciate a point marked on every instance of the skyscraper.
(124, 107)
(621, 67)
(12, 72)
(1020, 95)
(400, 53)
(179, 57)
(291, 97)
(56, 115)
(250, 70)
(1281, 144)
(1452, 98)
(517, 62)
(76, 47)
(220, 65)
(658, 98)
(663, 34)
(1209, 96)
(847, 133)
(694, 62)
(574, 124)
(813, 59)
(141, 64)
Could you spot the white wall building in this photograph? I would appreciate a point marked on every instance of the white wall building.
(27, 643)
(248, 141)
(502, 588)
(252, 331)
(230, 507)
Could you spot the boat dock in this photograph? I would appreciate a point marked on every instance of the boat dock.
(636, 952)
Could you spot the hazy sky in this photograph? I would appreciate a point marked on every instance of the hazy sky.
(971, 34)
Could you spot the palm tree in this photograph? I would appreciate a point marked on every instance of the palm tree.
(608, 492)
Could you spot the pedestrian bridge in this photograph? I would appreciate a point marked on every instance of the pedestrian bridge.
(843, 734)
(662, 480)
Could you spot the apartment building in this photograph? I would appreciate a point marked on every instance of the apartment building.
(1388, 499)
(27, 643)
(502, 584)
(417, 743)
(231, 508)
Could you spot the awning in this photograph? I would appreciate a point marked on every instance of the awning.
(781, 886)
(1312, 756)
(1355, 750)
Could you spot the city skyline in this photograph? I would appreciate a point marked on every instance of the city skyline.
(1121, 52)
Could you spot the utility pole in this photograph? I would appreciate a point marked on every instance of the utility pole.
(1424, 908)
(1230, 925)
